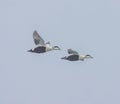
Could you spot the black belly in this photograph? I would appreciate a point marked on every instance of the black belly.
(40, 49)
(73, 57)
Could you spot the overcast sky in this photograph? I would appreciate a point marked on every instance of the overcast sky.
(87, 26)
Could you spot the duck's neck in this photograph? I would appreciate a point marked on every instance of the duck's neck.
(49, 47)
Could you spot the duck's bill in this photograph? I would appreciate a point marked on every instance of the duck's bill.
(91, 57)
(59, 48)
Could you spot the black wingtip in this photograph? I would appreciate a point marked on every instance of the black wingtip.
(30, 50)
(64, 58)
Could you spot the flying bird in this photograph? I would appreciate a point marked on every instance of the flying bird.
(75, 56)
(41, 46)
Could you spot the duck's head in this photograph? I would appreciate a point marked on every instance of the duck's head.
(56, 48)
(88, 56)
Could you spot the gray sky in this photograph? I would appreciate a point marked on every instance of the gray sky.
(87, 26)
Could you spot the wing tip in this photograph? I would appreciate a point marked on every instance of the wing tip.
(35, 31)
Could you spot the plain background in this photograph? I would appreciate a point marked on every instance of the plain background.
(87, 26)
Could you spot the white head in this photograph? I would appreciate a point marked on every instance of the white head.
(56, 48)
(88, 57)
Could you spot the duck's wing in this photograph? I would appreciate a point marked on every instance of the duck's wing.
(70, 51)
(38, 39)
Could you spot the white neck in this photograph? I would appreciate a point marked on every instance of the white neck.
(49, 47)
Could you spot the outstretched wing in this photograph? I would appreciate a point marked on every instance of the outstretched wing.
(38, 39)
(70, 51)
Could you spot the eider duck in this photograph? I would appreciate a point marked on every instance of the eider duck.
(41, 46)
(75, 56)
